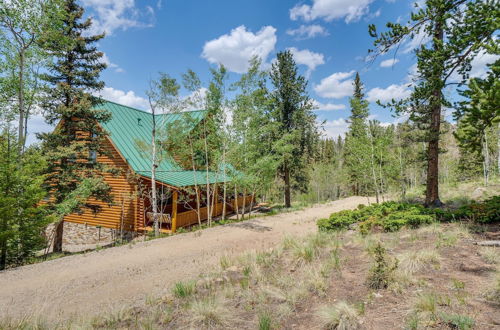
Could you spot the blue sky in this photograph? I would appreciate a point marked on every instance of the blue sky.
(329, 39)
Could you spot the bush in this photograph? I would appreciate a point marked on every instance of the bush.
(388, 216)
(487, 211)
(392, 216)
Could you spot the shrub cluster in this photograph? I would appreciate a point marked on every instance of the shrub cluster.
(487, 211)
(392, 216)
(388, 216)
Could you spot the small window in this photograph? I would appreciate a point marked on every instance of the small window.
(93, 156)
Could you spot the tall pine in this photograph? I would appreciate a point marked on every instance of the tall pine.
(357, 143)
(296, 134)
(458, 31)
(77, 141)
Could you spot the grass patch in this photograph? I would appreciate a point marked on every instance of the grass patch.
(184, 289)
(457, 321)
(413, 261)
(491, 255)
(340, 316)
(209, 313)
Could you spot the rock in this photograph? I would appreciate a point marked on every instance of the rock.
(478, 193)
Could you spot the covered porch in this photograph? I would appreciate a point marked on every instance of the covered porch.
(177, 207)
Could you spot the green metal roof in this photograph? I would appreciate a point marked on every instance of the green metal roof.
(130, 131)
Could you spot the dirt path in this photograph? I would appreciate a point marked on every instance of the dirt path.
(103, 280)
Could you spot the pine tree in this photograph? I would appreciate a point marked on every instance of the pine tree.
(479, 114)
(357, 143)
(296, 134)
(73, 75)
(22, 221)
(459, 30)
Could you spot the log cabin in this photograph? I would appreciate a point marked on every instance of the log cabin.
(129, 134)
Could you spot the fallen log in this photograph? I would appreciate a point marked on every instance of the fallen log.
(488, 243)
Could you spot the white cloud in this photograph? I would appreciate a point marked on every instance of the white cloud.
(335, 86)
(350, 10)
(307, 58)
(478, 64)
(307, 31)
(105, 59)
(327, 106)
(389, 62)
(336, 128)
(37, 124)
(235, 49)
(396, 92)
(420, 38)
(126, 98)
(111, 15)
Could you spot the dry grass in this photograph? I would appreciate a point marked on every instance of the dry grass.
(340, 316)
(209, 313)
(491, 255)
(412, 262)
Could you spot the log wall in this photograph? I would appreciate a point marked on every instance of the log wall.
(123, 189)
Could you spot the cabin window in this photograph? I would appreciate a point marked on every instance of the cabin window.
(93, 156)
(93, 153)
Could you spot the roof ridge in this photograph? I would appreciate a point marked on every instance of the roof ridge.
(126, 106)
(147, 112)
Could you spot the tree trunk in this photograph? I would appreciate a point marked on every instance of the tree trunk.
(287, 186)
(58, 237)
(244, 204)
(154, 200)
(21, 136)
(236, 203)
(432, 187)
(198, 205)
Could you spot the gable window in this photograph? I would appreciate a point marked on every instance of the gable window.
(93, 153)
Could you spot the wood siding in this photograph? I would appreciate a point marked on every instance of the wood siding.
(123, 189)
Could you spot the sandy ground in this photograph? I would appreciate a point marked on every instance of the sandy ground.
(100, 281)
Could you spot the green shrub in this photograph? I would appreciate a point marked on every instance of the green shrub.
(338, 221)
(392, 216)
(481, 212)
(457, 321)
(388, 216)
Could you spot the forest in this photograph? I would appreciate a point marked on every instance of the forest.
(261, 130)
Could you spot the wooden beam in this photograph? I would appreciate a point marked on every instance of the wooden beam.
(174, 211)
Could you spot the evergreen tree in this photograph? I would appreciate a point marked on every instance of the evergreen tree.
(77, 141)
(478, 115)
(459, 30)
(357, 143)
(296, 134)
(22, 221)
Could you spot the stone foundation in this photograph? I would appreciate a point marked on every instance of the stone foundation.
(80, 234)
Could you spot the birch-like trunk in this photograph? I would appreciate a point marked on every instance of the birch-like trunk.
(154, 200)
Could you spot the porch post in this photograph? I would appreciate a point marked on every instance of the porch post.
(174, 211)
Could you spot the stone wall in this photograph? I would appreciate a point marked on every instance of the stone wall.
(80, 234)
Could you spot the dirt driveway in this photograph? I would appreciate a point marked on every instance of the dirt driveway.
(100, 281)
